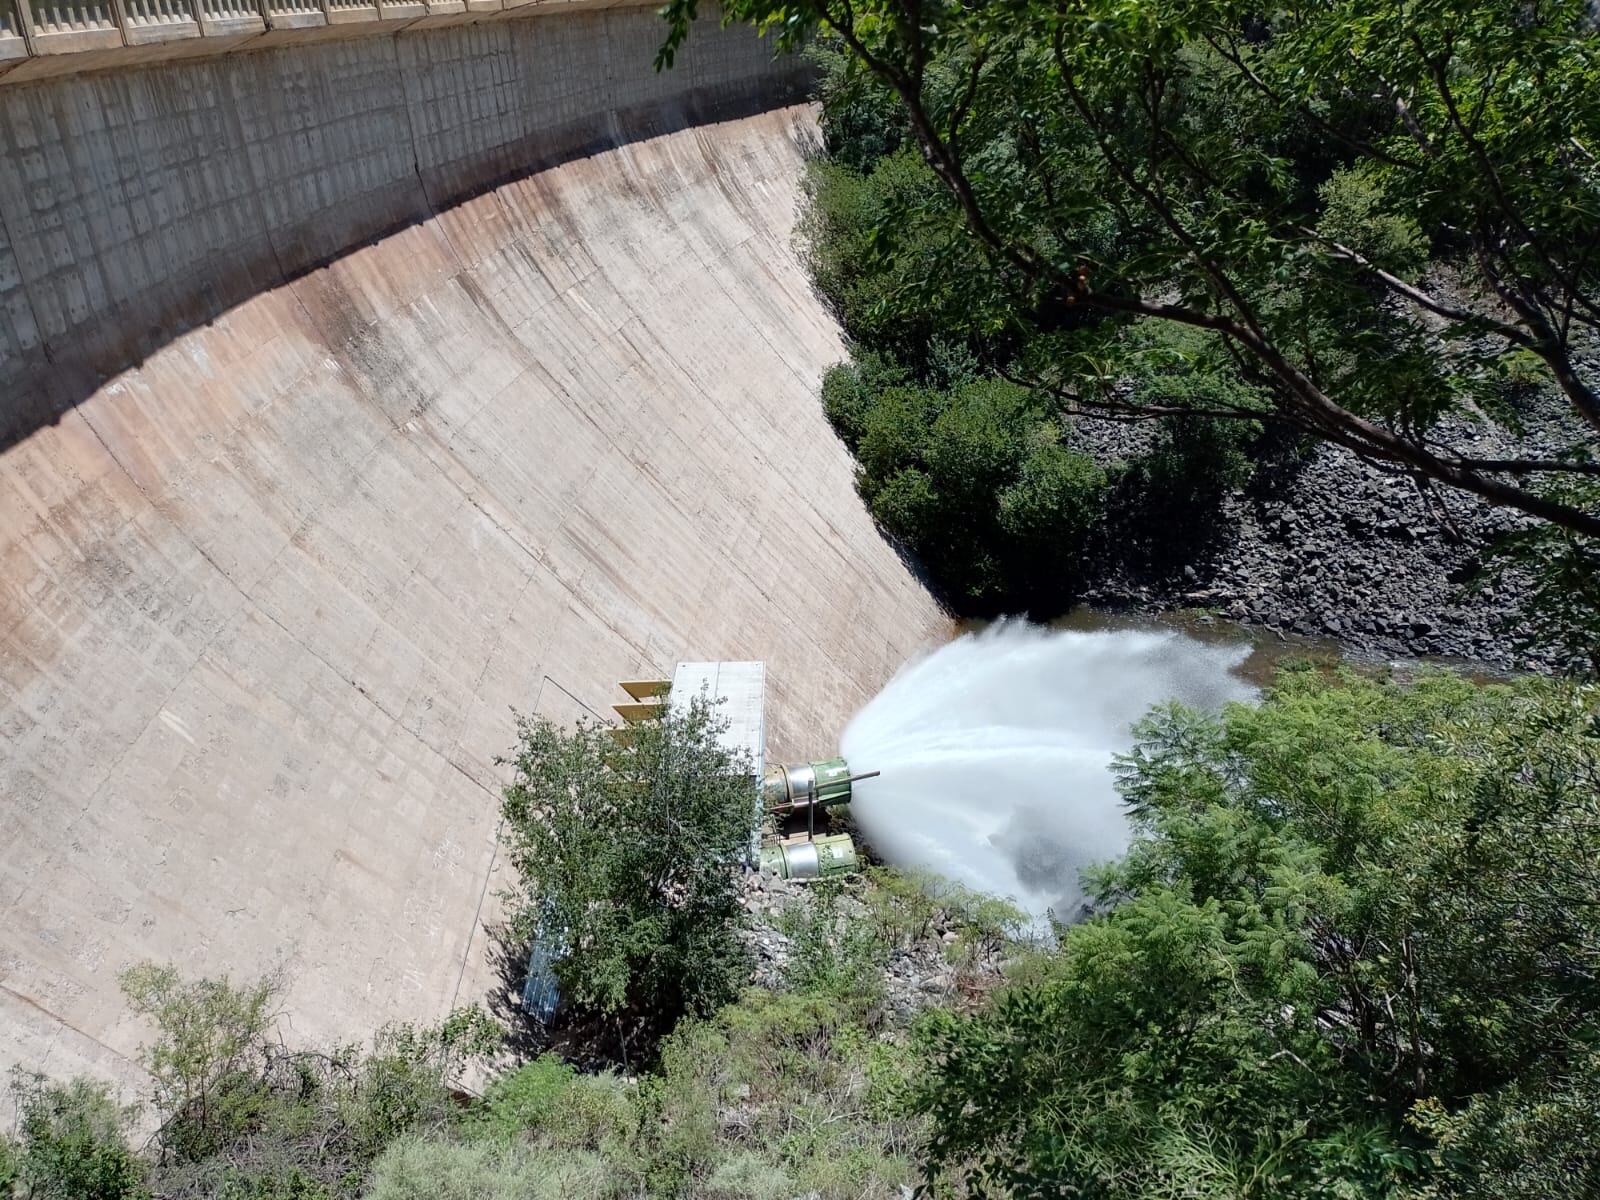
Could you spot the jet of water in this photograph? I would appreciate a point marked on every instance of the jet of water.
(995, 752)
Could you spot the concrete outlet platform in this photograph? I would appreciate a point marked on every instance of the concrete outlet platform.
(268, 595)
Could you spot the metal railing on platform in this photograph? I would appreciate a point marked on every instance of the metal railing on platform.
(39, 29)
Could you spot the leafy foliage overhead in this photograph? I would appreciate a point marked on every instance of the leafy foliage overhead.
(1378, 210)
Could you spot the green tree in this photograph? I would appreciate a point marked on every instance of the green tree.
(1538, 1139)
(1266, 180)
(1049, 511)
(206, 1060)
(1354, 950)
(627, 852)
(1564, 569)
(972, 480)
(1195, 458)
(71, 1143)
(892, 259)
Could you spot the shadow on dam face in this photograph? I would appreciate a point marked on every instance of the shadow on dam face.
(268, 595)
(139, 204)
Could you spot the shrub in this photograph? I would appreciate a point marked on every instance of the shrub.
(850, 390)
(907, 906)
(1352, 951)
(836, 1164)
(778, 1091)
(750, 1175)
(207, 1058)
(895, 431)
(247, 1118)
(401, 1084)
(1538, 1139)
(9, 1165)
(1049, 512)
(908, 505)
(525, 1100)
(845, 400)
(626, 853)
(782, 1046)
(902, 903)
(424, 1169)
(1196, 460)
(547, 1101)
(934, 466)
(680, 1107)
(876, 239)
(1563, 573)
(863, 121)
(71, 1143)
(1357, 212)
(291, 1183)
(272, 1172)
(831, 955)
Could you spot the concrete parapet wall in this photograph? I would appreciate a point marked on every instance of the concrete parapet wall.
(40, 38)
(137, 203)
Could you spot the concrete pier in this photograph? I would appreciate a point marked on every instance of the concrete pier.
(355, 393)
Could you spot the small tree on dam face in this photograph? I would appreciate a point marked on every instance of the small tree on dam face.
(626, 851)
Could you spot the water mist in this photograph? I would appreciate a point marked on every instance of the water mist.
(995, 752)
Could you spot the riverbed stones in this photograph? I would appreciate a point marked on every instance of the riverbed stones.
(1330, 545)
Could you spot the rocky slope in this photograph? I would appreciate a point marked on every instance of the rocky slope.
(941, 964)
(1329, 545)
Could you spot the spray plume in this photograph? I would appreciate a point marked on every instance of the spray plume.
(995, 752)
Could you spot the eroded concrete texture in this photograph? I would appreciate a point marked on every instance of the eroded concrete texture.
(268, 597)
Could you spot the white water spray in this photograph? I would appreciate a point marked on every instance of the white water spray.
(995, 752)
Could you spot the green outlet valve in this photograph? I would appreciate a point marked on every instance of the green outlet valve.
(810, 858)
(792, 788)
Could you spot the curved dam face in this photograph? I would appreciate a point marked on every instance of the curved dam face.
(287, 528)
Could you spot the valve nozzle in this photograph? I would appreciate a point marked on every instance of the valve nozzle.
(791, 788)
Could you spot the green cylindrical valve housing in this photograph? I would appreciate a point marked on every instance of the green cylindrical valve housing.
(816, 858)
(788, 789)
(833, 782)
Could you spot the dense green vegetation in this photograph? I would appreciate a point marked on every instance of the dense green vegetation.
(623, 850)
(1348, 220)
(238, 1114)
(69, 1145)
(981, 484)
(775, 1096)
(791, 1091)
(1354, 951)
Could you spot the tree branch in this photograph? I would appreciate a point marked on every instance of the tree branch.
(1527, 466)
(1305, 110)
(1309, 405)
(1416, 295)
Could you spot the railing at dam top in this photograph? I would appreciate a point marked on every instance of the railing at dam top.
(43, 37)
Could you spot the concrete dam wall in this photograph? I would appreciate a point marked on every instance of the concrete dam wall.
(355, 394)
(137, 203)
